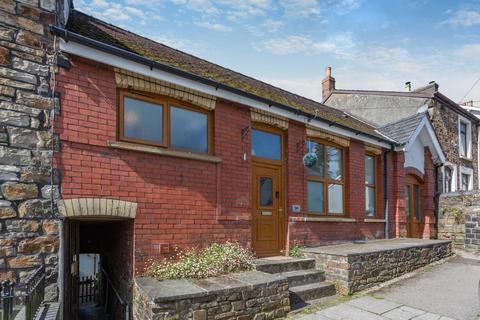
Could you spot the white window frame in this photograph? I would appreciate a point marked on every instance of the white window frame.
(453, 186)
(468, 171)
(469, 138)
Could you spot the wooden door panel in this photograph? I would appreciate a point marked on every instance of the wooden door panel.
(267, 210)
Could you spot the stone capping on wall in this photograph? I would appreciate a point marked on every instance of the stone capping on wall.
(244, 295)
(356, 267)
(97, 207)
(321, 219)
(162, 151)
(269, 118)
(131, 80)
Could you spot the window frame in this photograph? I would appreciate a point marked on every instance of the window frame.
(468, 137)
(453, 183)
(167, 103)
(326, 181)
(374, 186)
(465, 171)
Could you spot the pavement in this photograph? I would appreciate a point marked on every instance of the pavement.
(441, 292)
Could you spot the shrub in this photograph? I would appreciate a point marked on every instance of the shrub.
(295, 251)
(214, 260)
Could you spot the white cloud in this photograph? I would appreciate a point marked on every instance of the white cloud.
(213, 26)
(469, 51)
(339, 44)
(464, 18)
(300, 7)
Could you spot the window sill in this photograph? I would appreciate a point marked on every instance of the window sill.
(162, 151)
(373, 220)
(321, 219)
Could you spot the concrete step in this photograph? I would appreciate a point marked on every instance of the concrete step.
(302, 294)
(284, 264)
(301, 277)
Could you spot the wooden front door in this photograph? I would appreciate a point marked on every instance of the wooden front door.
(267, 191)
(267, 210)
(413, 213)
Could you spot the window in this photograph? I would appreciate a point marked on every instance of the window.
(464, 137)
(466, 178)
(448, 179)
(449, 171)
(370, 186)
(325, 185)
(266, 145)
(163, 122)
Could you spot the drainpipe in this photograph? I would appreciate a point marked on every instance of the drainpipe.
(385, 190)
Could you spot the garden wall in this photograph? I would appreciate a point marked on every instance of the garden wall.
(357, 267)
(240, 296)
(459, 220)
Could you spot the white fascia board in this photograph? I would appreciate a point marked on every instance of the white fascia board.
(119, 62)
(437, 149)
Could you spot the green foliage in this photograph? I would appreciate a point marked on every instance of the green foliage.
(212, 261)
(456, 212)
(295, 251)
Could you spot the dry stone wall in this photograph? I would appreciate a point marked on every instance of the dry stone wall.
(29, 231)
(459, 220)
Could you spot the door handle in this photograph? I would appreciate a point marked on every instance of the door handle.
(277, 194)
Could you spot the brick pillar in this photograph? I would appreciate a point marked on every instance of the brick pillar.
(28, 227)
(428, 197)
(397, 216)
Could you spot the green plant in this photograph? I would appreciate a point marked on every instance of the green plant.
(295, 251)
(456, 212)
(214, 260)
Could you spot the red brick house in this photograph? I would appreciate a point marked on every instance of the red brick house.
(161, 151)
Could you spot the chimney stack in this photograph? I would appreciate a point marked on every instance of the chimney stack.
(328, 84)
(408, 86)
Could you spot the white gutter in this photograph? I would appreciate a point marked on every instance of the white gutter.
(119, 62)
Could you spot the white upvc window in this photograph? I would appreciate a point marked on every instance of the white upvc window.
(449, 173)
(464, 137)
(465, 178)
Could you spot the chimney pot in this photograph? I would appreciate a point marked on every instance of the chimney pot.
(408, 86)
(328, 72)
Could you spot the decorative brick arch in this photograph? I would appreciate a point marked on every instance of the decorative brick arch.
(97, 207)
(416, 173)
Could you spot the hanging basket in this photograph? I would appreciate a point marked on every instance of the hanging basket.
(309, 159)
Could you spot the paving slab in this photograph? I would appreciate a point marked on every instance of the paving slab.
(347, 312)
(403, 313)
(377, 306)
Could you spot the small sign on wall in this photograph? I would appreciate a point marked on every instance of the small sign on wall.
(296, 208)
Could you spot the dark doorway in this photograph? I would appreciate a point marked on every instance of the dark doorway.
(98, 268)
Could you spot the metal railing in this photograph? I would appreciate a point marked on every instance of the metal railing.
(88, 289)
(35, 293)
(107, 286)
(7, 289)
(31, 299)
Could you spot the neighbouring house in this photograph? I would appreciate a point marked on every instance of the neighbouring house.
(455, 127)
(155, 150)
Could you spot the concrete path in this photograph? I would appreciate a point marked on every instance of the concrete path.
(441, 292)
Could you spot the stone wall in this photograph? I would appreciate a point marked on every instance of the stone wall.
(241, 296)
(459, 220)
(353, 272)
(445, 122)
(28, 228)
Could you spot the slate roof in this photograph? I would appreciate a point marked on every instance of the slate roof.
(101, 31)
(402, 130)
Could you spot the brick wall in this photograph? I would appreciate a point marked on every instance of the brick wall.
(177, 198)
(182, 202)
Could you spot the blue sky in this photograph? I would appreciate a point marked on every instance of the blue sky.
(370, 44)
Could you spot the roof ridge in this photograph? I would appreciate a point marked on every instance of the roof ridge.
(384, 92)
